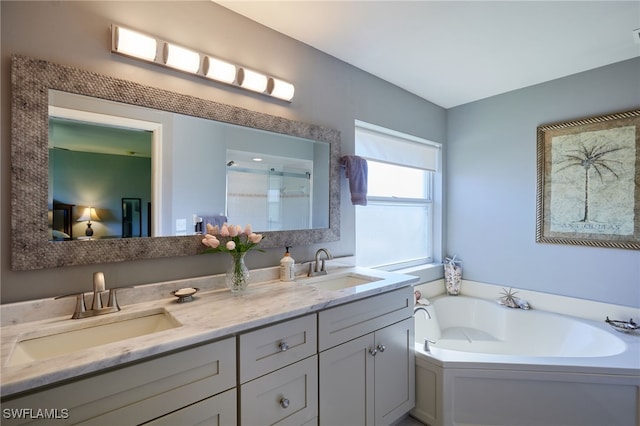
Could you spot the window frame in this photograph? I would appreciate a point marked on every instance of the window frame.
(432, 201)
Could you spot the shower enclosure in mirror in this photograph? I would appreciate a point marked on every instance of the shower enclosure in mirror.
(180, 168)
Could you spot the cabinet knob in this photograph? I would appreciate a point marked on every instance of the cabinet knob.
(381, 347)
(373, 351)
(284, 402)
(283, 347)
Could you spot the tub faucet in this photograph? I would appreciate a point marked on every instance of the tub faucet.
(421, 308)
(313, 266)
(97, 308)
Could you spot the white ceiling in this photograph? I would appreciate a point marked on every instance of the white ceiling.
(455, 52)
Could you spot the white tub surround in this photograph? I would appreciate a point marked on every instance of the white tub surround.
(493, 365)
(213, 314)
(579, 308)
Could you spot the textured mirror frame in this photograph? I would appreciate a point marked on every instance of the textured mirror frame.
(31, 249)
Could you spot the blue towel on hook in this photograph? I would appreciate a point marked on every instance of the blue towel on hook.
(357, 172)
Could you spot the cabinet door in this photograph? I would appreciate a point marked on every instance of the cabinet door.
(219, 410)
(394, 372)
(346, 383)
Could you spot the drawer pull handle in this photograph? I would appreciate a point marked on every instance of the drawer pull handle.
(283, 347)
(373, 351)
(284, 403)
(381, 347)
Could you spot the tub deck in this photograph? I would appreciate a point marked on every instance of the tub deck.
(493, 365)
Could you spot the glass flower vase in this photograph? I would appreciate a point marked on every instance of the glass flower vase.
(237, 277)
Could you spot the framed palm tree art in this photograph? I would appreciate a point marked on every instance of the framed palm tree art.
(588, 186)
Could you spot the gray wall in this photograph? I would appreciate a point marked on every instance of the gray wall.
(491, 188)
(490, 151)
(328, 93)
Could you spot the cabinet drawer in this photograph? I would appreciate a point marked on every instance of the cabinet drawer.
(345, 322)
(274, 347)
(219, 410)
(139, 392)
(285, 397)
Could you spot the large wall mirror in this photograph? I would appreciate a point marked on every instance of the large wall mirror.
(89, 141)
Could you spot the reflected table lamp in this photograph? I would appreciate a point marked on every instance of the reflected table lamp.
(89, 215)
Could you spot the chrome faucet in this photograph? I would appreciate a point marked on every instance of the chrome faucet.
(421, 308)
(313, 266)
(96, 305)
(426, 340)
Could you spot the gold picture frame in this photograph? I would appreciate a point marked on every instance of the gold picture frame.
(588, 185)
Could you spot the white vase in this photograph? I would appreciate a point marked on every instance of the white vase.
(452, 278)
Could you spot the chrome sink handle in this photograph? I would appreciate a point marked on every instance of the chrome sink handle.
(81, 307)
(426, 347)
(113, 300)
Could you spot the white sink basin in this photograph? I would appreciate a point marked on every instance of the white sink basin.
(80, 334)
(340, 281)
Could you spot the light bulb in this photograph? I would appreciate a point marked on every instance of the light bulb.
(181, 58)
(220, 70)
(133, 43)
(252, 80)
(280, 89)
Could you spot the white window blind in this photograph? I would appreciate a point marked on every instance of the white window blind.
(396, 148)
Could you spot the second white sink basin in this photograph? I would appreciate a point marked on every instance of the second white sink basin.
(79, 335)
(340, 281)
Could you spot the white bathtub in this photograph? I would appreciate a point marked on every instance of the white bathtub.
(493, 365)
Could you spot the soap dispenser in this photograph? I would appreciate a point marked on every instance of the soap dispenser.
(287, 267)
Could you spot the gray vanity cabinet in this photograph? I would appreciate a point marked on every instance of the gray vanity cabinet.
(346, 365)
(366, 360)
(194, 383)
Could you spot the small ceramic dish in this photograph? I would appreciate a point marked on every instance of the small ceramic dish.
(623, 326)
(185, 294)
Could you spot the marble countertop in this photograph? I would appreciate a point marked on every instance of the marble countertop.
(214, 313)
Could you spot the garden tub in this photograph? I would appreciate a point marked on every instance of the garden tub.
(487, 364)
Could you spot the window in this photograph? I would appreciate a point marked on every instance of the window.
(396, 227)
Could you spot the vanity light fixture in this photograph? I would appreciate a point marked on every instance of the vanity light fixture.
(88, 215)
(160, 52)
